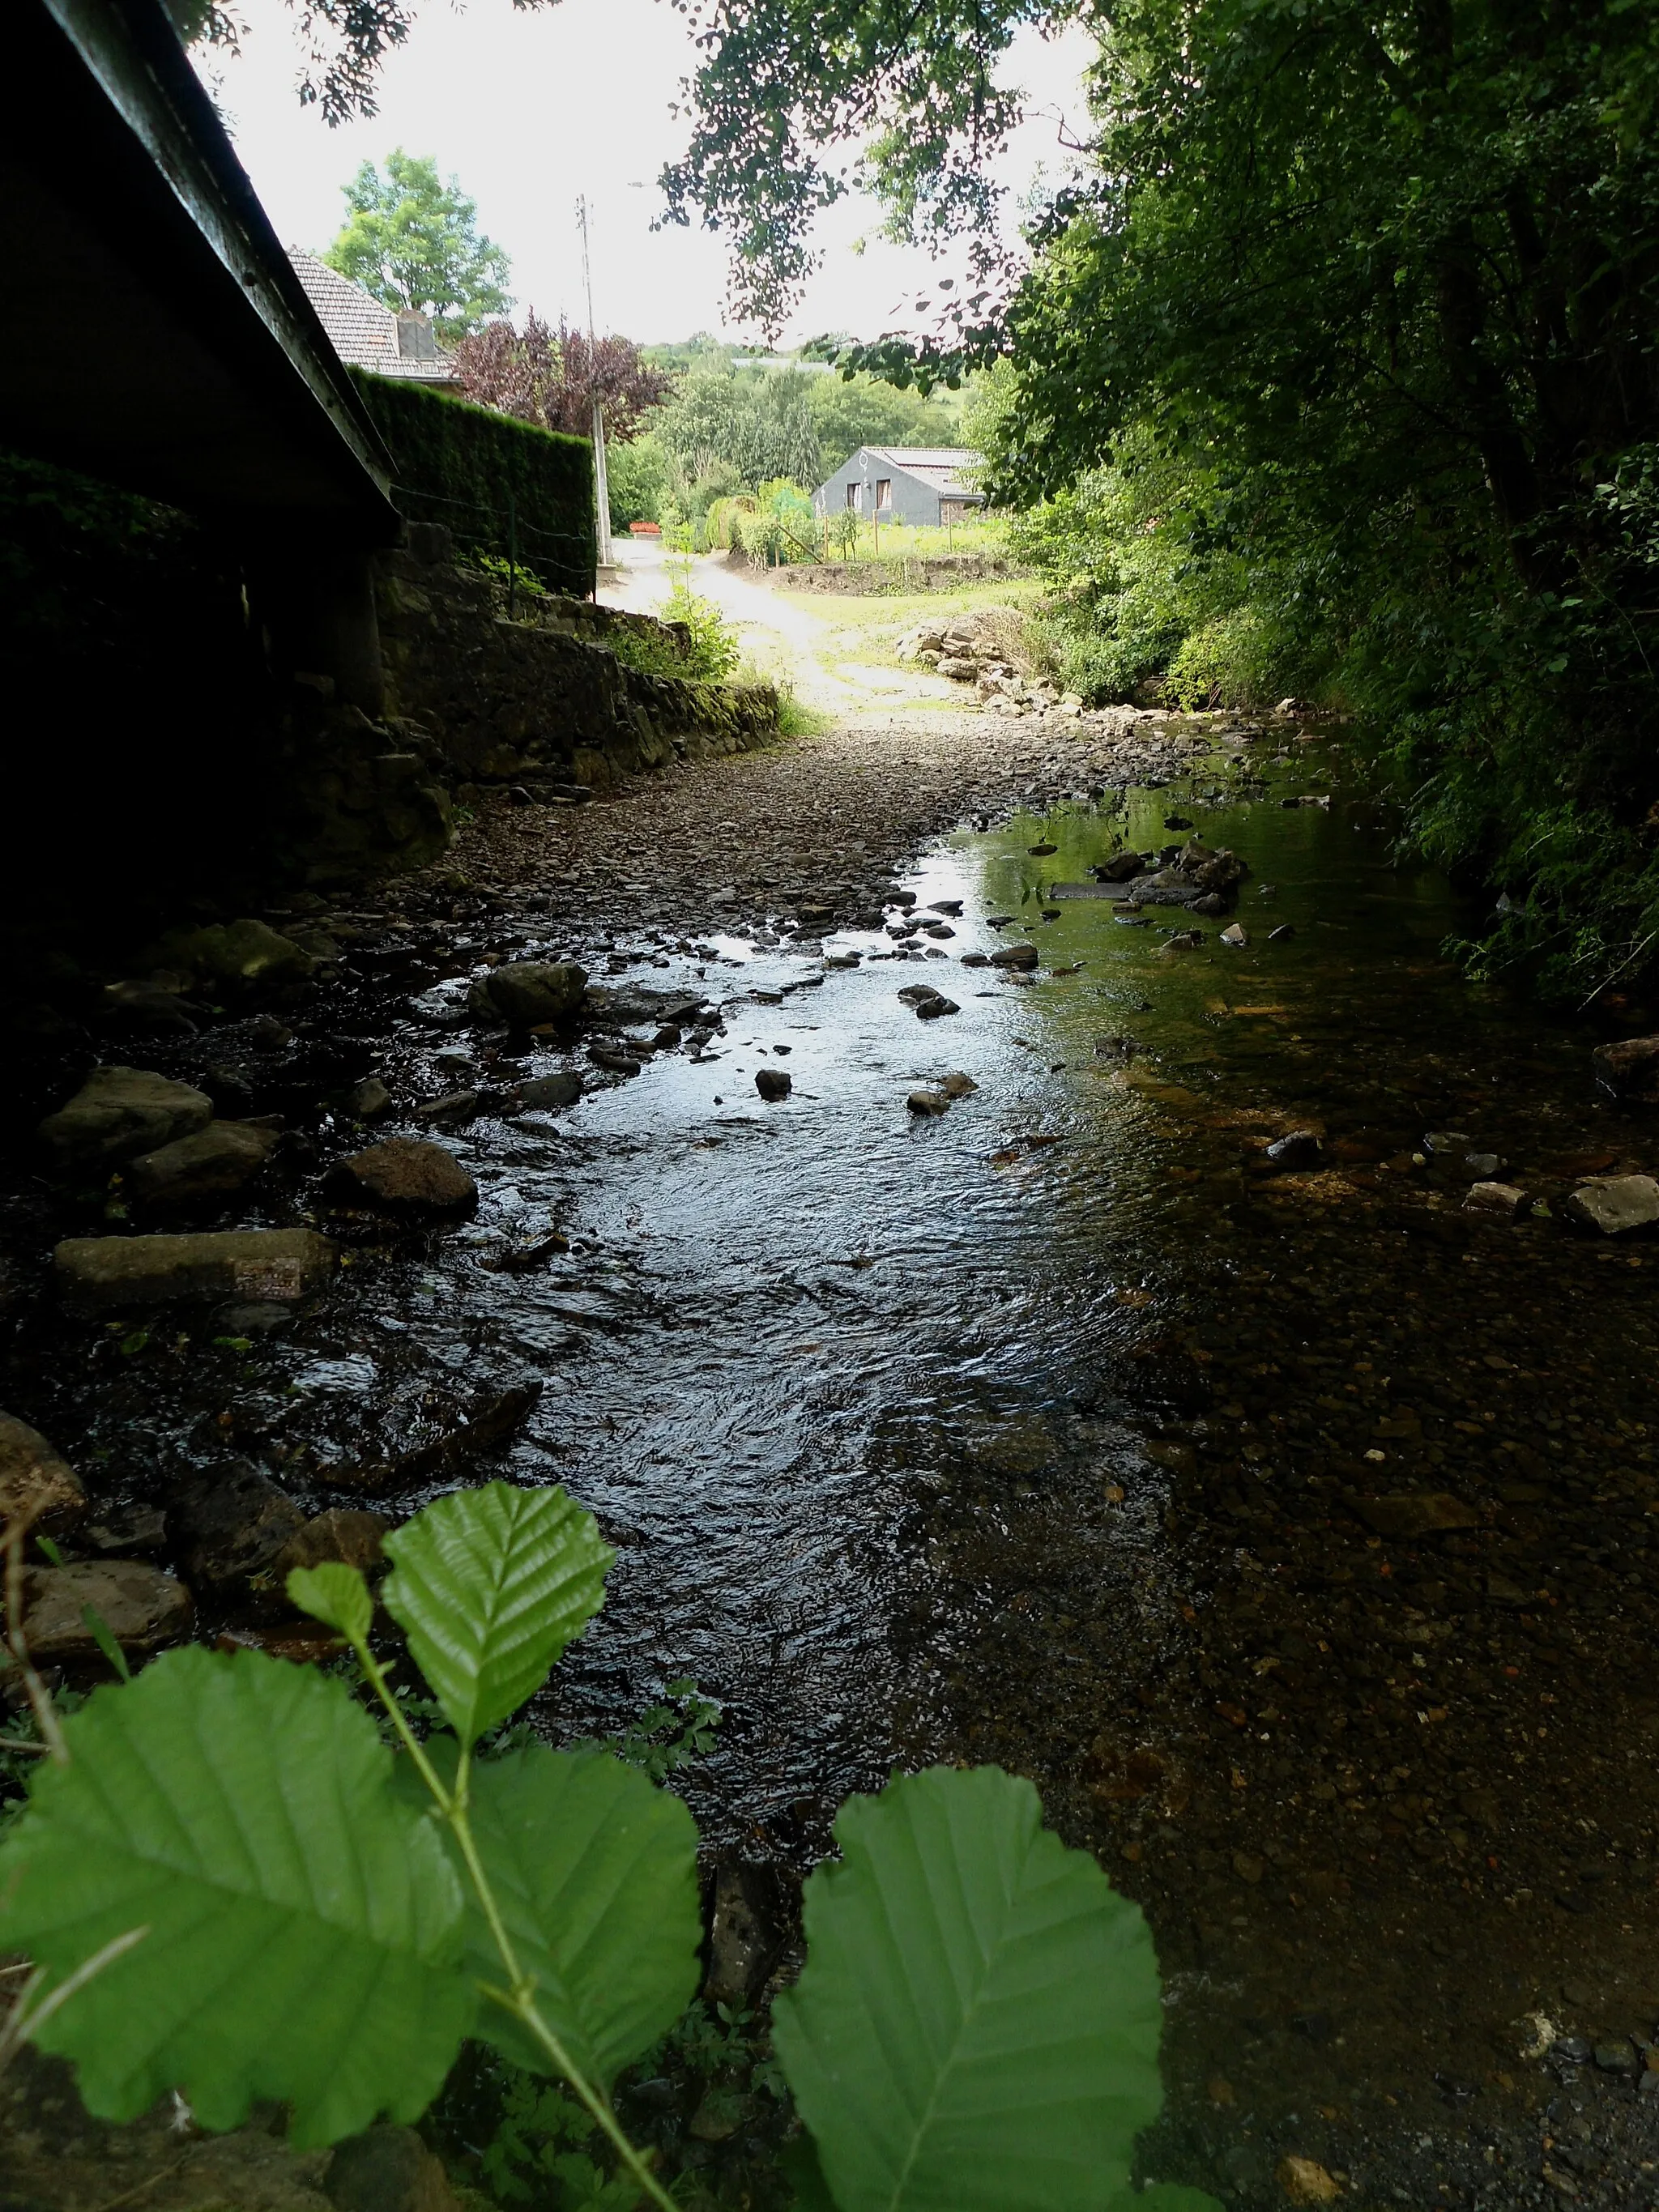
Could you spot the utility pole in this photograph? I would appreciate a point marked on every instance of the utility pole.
(601, 488)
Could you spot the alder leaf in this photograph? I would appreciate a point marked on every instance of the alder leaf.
(595, 1874)
(491, 1585)
(976, 2027)
(335, 1594)
(305, 1924)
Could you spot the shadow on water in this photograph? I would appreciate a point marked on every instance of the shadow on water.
(1052, 1428)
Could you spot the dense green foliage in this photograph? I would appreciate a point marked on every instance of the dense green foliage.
(229, 1885)
(411, 240)
(462, 465)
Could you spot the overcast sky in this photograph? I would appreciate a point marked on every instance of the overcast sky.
(529, 108)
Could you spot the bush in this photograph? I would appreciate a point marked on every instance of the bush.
(469, 469)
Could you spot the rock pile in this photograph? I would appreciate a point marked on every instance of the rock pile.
(973, 649)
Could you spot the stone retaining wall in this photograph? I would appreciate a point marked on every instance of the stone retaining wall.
(544, 696)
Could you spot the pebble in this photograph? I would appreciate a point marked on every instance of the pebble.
(958, 1085)
(1501, 1199)
(407, 1174)
(258, 1265)
(1236, 935)
(927, 1102)
(1304, 2181)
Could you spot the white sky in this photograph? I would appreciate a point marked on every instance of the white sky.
(529, 108)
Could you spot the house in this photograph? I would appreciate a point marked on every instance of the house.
(901, 483)
(365, 335)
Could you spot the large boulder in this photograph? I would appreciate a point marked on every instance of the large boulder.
(37, 1486)
(529, 994)
(1630, 1069)
(407, 1175)
(250, 1266)
(118, 1113)
(142, 1607)
(214, 1163)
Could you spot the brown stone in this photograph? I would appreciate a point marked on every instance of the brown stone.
(1415, 1513)
(409, 1175)
(387, 2169)
(248, 1265)
(1015, 956)
(118, 1112)
(213, 1164)
(1630, 1069)
(773, 1083)
(343, 1535)
(37, 1486)
(142, 1607)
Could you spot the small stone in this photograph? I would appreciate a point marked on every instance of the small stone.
(142, 1607)
(1613, 1204)
(1415, 1513)
(1247, 1867)
(120, 1112)
(231, 1523)
(1501, 1198)
(38, 1486)
(343, 1535)
(1304, 2181)
(1483, 1166)
(1617, 2058)
(529, 993)
(927, 1102)
(1015, 956)
(262, 1265)
(932, 1008)
(453, 1107)
(369, 1100)
(215, 1163)
(958, 1085)
(613, 1060)
(1236, 935)
(773, 1083)
(408, 1174)
(387, 2169)
(1629, 1069)
(917, 995)
(1042, 852)
(129, 1528)
(550, 1094)
(1300, 1149)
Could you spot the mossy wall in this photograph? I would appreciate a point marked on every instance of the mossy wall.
(488, 478)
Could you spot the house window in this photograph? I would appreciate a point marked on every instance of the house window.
(884, 495)
(853, 497)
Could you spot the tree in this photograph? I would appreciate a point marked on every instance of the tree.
(755, 425)
(412, 242)
(554, 378)
(851, 412)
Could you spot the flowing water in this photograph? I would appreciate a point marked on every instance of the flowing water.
(1042, 1430)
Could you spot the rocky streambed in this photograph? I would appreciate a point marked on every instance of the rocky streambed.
(998, 1221)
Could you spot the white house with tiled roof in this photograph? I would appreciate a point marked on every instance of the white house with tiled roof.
(365, 334)
(902, 484)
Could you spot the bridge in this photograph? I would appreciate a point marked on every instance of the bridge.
(161, 340)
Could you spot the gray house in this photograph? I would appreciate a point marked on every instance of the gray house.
(901, 483)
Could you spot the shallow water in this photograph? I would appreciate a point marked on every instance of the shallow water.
(1025, 1431)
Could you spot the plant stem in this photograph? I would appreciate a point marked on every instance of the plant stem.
(520, 1999)
(45, 1718)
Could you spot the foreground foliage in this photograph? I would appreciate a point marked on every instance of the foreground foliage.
(230, 1885)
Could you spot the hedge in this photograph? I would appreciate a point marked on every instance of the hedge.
(460, 464)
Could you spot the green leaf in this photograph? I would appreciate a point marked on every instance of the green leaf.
(976, 2028)
(303, 1924)
(800, 2161)
(1166, 2196)
(595, 1875)
(104, 1637)
(335, 1593)
(491, 1584)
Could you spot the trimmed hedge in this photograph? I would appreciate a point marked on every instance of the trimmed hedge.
(459, 465)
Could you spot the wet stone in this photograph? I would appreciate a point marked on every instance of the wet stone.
(527, 994)
(1300, 1149)
(549, 1094)
(214, 1163)
(369, 1100)
(1015, 956)
(956, 1085)
(453, 1107)
(773, 1083)
(935, 1007)
(258, 1264)
(142, 1607)
(120, 1112)
(129, 1528)
(614, 1061)
(1629, 1068)
(232, 1522)
(346, 1536)
(1615, 1205)
(408, 1175)
(37, 1486)
(925, 1102)
(1502, 1199)
(387, 2169)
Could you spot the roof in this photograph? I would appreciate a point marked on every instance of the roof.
(939, 467)
(364, 333)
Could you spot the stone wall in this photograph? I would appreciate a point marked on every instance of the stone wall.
(543, 697)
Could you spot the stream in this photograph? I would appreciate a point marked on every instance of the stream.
(1048, 1429)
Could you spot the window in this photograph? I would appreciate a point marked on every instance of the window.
(884, 495)
(853, 497)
